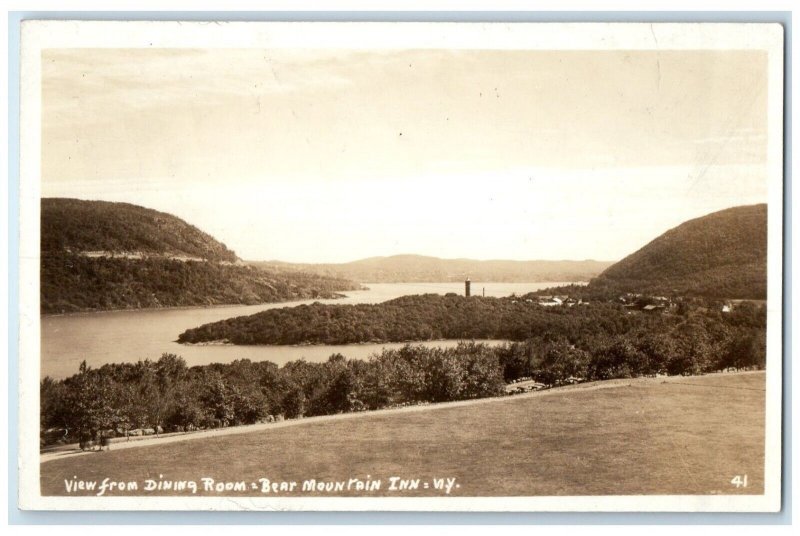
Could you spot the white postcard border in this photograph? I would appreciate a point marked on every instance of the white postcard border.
(40, 35)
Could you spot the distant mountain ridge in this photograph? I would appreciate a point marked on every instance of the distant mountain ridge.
(420, 268)
(720, 255)
(97, 255)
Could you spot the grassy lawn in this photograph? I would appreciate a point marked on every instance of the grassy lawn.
(686, 436)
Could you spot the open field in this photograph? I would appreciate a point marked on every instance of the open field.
(682, 435)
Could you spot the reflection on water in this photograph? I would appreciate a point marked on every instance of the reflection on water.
(125, 336)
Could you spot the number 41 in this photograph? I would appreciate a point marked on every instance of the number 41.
(739, 481)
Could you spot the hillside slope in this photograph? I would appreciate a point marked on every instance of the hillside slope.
(720, 255)
(420, 268)
(84, 226)
(100, 256)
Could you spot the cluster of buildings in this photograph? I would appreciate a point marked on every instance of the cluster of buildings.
(660, 304)
(552, 301)
(632, 301)
(648, 304)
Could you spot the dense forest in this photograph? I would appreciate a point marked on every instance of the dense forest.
(71, 283)
(166, 395)
(77, 225)
(721, 255)
(430, 317)
(416, 318)
(151, 275)
(420, 268)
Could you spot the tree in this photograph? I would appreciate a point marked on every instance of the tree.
(249, 406)
(408, 372)
(341, 390)
(294, 402)
(377, 388)
(617, 358)
(657, 349)
(186, 411)
(692, 348)
(217, 401)
(562, 361)
(444, 378)
(88, 402)
(481, 372)
(52, 409)
(518, 360)
(746, 348)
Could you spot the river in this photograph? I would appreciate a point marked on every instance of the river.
(128, 336)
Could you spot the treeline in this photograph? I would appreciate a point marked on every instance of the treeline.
(418, 318)
(167, 395)
(747, 282)
(740, 281)
(71, 282)
(693, 346)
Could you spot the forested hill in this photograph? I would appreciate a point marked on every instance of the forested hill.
(420, 268)
(94, 226)
(721, 255)
(415, 318)
(100, 256)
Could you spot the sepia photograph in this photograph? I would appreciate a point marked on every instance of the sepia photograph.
(401, 266)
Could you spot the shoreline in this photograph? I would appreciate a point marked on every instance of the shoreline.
(364, 288)
(184, 307)
(319, 344)
(174, 437)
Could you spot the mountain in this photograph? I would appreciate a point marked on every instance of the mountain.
(720, 255)
(418, 268)
(101, 226)
(97, 255)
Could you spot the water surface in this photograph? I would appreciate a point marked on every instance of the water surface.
(128, 336)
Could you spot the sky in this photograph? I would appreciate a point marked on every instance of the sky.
(310, 155)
